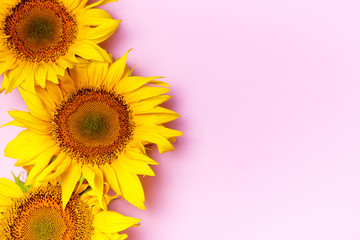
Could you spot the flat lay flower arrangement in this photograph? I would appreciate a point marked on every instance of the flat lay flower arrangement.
(89, 124)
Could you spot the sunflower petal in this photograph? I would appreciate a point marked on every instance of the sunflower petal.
(155, 118)
(69, 179)
(93, 17)
(4, 201)
(10, 189)
(35, 106)
(139, 156)
(130, 185)
(112, 222)
(99, 3)
(42, 162)
(110, 177)
(154, 134)
(95, 179)
(129, 84)
(137, 167)
(57, 167)
(99, 235)
(31, 122)
(30, 144)
(116, 71)
(103, 31)
(148, 105)
(145, 92)
(40, 75)
(97, 73)
(89, 50)
(15, 76)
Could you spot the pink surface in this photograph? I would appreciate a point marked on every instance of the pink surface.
(269, 94)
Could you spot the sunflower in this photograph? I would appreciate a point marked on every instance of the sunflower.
(39, 39)
(98, 123)
(29, 213)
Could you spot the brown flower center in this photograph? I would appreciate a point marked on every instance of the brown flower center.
(38, 215)
(39, 30)
(93, 125)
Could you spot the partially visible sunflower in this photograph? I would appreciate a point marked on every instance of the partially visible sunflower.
(97, 122)
(36, 213)
(39, 39)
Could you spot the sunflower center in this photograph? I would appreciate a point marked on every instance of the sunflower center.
(38, 215)
(93, 125)
(39, 30)
(44, 229)
(45, 223)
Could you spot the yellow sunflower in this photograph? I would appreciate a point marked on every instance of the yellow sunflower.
(36, 213)
(39, 39)
(97, 122)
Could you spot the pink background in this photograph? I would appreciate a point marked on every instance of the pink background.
(269, 94)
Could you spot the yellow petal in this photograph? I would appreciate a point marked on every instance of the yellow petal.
(27, 145)
(90, 51)
(110, 178)
(112, 222)
(57, 167)
(137, 167)
(130, 185)
(129, 84)
(42, 162)
(70, 4)
(116, 71)
(159, 83)
(122, 237)
(162, 143)
(64, 63)
(31, 122)
(5, 82)
(154, 118)
(35, 106)
(14, 77)
(93, 17)
(51, 71)
(50, 97)
(40, 74)
(99, 3)
(5, 201)
(15, 123)
(96, 73)
(10, 189)
(144, 92)
(148, 105)
(69, 179)
(8, 64)
(95, 179)
(139, 156)
(29, 78)
(163, 131)
(102, 32)
(99, 235)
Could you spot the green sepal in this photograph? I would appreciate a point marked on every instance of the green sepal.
(21, 184)
(81, 180)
